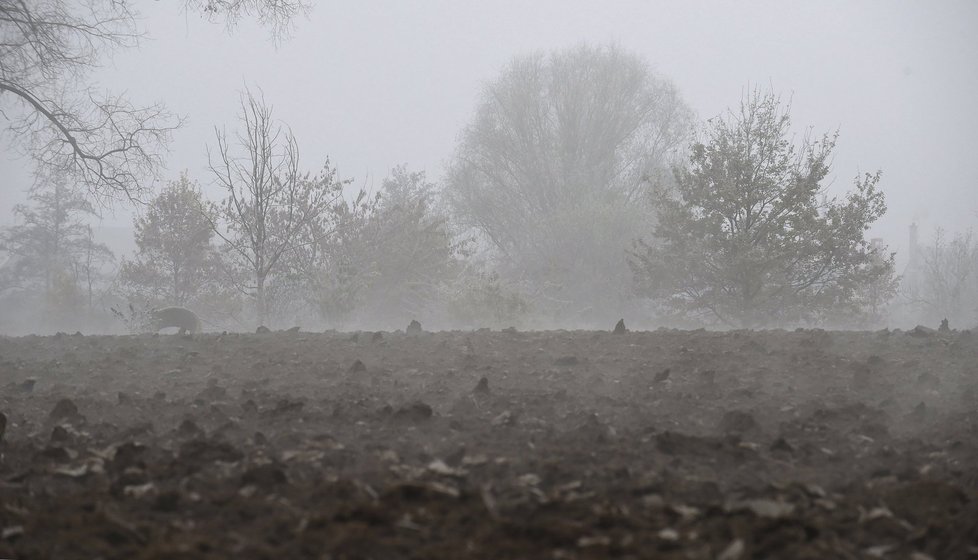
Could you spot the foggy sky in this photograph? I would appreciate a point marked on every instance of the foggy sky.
(375, 84)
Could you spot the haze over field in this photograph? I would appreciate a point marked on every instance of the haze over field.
(510, 279)
(377, 84)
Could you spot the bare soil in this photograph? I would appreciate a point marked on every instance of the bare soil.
(488, 444)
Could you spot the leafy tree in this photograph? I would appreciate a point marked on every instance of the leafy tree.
(176, 262)
(747, 236)
(563, 145)
(103, 140)
(52, 253)
(391, 257)
(271, 209)
(479, 299)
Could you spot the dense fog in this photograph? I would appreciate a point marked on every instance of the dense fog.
(584, 177)
(557, 279)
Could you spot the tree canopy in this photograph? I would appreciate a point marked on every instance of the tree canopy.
(176, 262)
(747, 236)
(392, 256)
(561, 147)
(53, 254)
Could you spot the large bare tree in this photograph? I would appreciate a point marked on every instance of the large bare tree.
(943, 283)
(103, 140)
(271, 208)
(553, 167)
(278, 16)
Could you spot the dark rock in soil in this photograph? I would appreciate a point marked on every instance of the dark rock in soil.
(414, 412)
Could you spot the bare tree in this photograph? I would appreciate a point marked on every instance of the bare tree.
(277, 15)
(90, 268)
(271, 208)
(563, 145)
(106, 142)
(944, 284)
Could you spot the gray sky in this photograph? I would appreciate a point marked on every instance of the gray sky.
(374, 84)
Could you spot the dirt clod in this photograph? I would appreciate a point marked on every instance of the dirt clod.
(566, 361)
(482, 387)
(26, 386)
(264, 476)
(65, 409)
(737, 421)
(414, 412)
(357, 367)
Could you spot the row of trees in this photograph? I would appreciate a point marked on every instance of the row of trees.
(584, 175)
(305, 253)
(581, 191)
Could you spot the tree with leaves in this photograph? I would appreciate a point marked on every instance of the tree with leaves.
(747, 236)
(271, 208)
(51, 252)
(176, 262)
(553, 169)
(101, 140)
(392, 256)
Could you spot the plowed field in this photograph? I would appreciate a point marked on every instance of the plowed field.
(489, 444)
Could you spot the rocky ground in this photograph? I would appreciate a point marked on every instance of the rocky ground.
(488, 444)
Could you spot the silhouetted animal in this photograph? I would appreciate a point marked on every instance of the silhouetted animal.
(183, 319)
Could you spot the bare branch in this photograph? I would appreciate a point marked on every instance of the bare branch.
(48, 47)
(270, 210)
(278, 16)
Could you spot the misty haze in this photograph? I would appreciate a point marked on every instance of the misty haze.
(512, 280)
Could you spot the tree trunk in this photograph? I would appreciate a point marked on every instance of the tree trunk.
(260, 297)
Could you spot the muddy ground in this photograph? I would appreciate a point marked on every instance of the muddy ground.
(666, 444)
